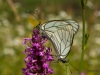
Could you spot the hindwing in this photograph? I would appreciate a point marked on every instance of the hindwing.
(61, 33)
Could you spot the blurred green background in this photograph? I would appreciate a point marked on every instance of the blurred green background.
(16, 23)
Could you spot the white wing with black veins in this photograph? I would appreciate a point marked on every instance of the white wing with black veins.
(61, 33)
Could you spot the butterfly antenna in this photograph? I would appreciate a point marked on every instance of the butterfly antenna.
(34, 15)
(38, 14)
(70, 69)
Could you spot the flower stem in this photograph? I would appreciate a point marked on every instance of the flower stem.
(83, 3)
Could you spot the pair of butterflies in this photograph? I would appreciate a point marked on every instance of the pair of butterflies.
(61, 34)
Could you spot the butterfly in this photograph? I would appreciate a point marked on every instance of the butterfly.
(61, 34)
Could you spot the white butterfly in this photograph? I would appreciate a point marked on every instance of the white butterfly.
(61, 34)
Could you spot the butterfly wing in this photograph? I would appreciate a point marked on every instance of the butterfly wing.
(61, 33)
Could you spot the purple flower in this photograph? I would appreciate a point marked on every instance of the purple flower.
(82, 73)
(38, 56)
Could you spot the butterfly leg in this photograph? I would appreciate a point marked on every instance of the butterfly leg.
(72, 65)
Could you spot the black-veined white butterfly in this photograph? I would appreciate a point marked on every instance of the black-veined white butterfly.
(61, 34)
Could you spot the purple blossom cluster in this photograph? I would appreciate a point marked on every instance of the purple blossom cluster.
(38, 56)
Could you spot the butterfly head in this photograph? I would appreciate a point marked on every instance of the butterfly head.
(38, 26)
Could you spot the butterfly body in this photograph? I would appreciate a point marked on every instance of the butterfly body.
(61, 34)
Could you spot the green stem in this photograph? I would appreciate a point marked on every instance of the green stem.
(83, 37)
